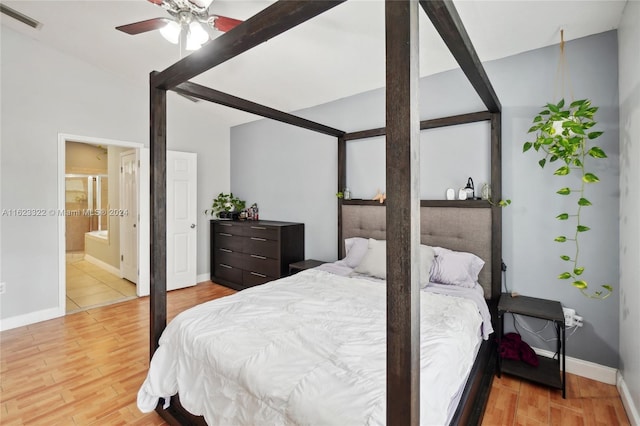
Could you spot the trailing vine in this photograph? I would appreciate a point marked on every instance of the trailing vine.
(562, 134)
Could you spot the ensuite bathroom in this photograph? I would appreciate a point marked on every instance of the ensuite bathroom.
(92, 236)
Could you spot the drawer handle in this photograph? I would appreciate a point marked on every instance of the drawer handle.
(226, 250)
(258, 275)
(224, 234)
(258, 239)
(225, 266)
(258, 257)
(258, 227)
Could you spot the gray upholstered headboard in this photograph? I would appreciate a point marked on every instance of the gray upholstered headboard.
(461, 229)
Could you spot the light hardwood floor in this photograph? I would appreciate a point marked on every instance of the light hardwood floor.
(86, 368)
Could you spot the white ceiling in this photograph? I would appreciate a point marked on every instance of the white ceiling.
(335, 55)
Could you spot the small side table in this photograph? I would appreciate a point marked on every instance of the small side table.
(304, 264)
(550, 372)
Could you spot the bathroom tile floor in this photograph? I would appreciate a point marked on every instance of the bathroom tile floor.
(89, 286)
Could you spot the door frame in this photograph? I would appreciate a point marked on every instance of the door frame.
(143, 238)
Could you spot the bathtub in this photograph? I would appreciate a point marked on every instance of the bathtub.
(102, 236)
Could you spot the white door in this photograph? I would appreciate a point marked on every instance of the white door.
(129, 168)
(182, 217)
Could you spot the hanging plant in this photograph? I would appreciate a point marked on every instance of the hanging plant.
(564, 135)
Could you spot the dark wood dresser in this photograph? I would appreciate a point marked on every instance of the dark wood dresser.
(248, 253)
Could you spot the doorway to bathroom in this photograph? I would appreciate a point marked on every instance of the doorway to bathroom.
(92, 215)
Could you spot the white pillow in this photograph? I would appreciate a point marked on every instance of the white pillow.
(355, 249)
(455, 267)
(374, 262)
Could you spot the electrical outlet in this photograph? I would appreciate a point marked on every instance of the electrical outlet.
(569, 317)
(578, 321)
(3, 288)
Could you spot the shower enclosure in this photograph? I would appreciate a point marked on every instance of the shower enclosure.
(86, 200)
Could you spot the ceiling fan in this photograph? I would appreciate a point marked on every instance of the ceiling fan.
(187, 24)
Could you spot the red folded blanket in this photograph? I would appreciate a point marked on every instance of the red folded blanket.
(512, 347)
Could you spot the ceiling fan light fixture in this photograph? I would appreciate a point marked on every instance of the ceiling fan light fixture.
(197, 36)
(171, 32)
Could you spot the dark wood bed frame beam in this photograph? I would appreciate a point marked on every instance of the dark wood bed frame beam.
(266, 24)
(447, 22)
(402, 213)
(158, 176)
(201, 92)
(453, 120)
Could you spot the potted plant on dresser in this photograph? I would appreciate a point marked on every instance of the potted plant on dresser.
(226, 206)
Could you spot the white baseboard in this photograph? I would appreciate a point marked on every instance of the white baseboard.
(103, 265)
(31, 318)
(590, 370)
(203, 277)
(627, 401)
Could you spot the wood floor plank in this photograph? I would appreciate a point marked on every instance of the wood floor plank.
(86, 369)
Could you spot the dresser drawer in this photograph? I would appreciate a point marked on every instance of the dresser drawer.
(230, 227)
(229, 241)
(250, 279)
(230, 258)
(262, 265)
(228, 272)
(261, 246)
(262, 231)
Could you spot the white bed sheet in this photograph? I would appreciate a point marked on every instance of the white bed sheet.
(307, 349)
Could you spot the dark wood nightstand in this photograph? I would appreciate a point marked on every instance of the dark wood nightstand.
(304, 264)
(550, 372)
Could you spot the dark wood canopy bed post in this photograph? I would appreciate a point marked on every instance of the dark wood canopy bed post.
(403, 220)
(403, 213)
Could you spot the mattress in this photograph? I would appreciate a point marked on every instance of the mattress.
(307, 349)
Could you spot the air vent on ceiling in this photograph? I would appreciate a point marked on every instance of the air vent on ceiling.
(20, 17)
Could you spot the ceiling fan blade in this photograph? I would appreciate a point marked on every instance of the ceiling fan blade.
(224, 24)
(144, 26)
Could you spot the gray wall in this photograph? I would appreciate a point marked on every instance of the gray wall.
(46, 92)
(290, 173)
(628, 36)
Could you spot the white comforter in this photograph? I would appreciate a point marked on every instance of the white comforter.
(307, 349)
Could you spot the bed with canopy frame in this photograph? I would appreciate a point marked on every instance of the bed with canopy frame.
(404, 230)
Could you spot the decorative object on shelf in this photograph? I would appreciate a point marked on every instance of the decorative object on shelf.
(564, 134)
(226, 206)
(485, 192)
(346, 194)
(451, 194)
(462, 194)
(471, 190)
(380, 196)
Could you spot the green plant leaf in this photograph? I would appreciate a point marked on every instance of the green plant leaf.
(560, 239)
(542, 162)
(594, 135)
(564, 276)
(563, 216)
(597, 152)
(565, 257)
(553, 158)
(553, 108)
(577, 103)
(582, 228)
(545, 112)
(608, 287)
(584, 202)
(590, 178)
(577, 162)
(538, 118)
(560, 104)
(564, 191)
(578, 271)
(527, 146)
(562, 171)
(535, 128)
(580, 284)
(504, 203)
